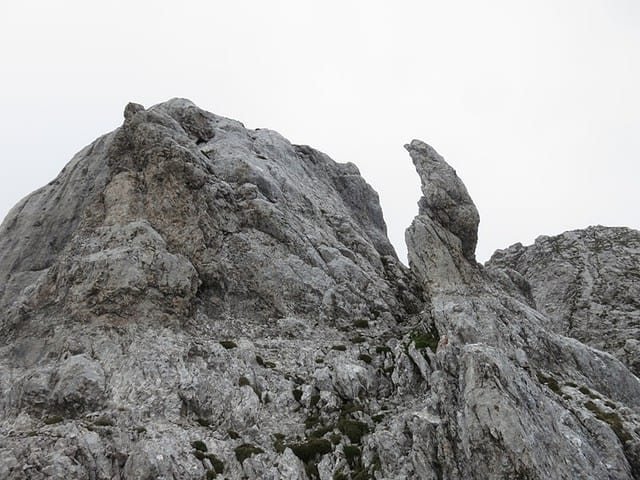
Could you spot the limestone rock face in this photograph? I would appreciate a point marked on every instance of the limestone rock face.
(193, 299)
(587, 283)
(504, 377)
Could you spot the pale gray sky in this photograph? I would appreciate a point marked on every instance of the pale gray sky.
(535, 103)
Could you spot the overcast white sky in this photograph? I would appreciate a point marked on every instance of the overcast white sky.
(536, 104)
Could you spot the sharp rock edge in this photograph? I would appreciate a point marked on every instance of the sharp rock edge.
(193, 299)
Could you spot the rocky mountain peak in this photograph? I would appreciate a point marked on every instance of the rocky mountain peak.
(193, 299)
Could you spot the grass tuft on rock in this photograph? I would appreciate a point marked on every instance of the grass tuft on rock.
(322, 431)
(612, 419)
(423, 339)
(199, 445)
(588, 393)
(297, 394)
(365, 358)
(278, 442)
(311, 421)
(340, 475)
(353, 429)
(203, 422)
(378, 418)
(245, 451)
(550, 382)
(198, 454)
(103, 422)
(218, 465)
(311, 449)
(53, 420)
(383, 349)
(353, 455)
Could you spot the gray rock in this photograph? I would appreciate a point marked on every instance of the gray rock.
(586, 283)
(80, 384)
(500, 382)
(445, 196)
(194, 299)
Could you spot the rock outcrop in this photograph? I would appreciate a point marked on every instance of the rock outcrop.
(587, 283)
(192, 299)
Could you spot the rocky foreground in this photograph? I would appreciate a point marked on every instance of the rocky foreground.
(191, 299)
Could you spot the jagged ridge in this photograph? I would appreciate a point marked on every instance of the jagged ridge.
(190, 298)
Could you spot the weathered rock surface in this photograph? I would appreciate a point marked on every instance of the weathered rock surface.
(445, 198)
(587, 282)
(192, 299)
(513, 399)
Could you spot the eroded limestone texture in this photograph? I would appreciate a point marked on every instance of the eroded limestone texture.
(193, 299)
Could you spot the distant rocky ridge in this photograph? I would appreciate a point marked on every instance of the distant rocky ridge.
(193, 299)
(587, 283)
